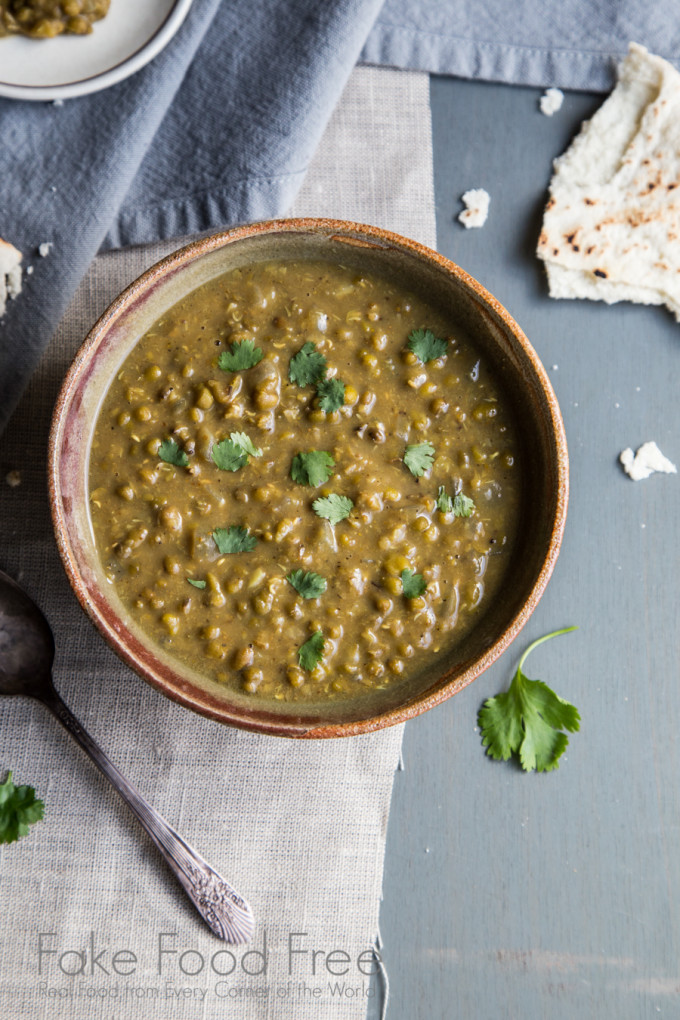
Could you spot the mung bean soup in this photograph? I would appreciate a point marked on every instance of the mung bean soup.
(304, 482)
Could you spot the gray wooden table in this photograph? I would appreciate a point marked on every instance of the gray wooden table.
(509, 895)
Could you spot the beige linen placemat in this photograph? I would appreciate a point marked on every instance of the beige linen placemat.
(297, 827)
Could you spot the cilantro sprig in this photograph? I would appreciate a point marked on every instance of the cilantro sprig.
(306, 583)
(234, 539)
(19, 809)
(170, 452)
(311, 653)
(197, 583)
(331, 394)
(333, 508)
(459, 505)
(233, 453)
(314, 467)
(242, 356)
(413, 584)
(528, 719)
(425, 345)
(418, 458)
(308, 366)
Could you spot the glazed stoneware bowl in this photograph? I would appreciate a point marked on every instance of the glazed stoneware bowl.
(446, 287)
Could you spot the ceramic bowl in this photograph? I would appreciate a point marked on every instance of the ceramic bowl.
(447, 287)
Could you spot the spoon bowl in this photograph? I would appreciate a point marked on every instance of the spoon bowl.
(26, 657)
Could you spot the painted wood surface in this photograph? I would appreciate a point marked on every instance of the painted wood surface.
(509, 895)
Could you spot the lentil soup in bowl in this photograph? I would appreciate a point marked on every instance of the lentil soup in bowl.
(308, 477)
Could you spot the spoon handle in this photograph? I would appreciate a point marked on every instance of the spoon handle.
(227, 914)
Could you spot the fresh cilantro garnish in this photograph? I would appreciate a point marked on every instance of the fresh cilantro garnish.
(311, 653)
(334, 508)
(413, 584)
(331, 394)
(19, 808)
(234, 539)
(170, 452)
(307, 584)
(418, 458)
(232, 454)
(425, 345)
(244, 354)
(307, 366)
(528, 719)
(312, 468)
(196, 584)
(459, 505)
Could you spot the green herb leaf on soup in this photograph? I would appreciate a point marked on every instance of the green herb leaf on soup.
(243, 355)
(462, 505)
(459, 505)
(19, 809)
(234, 539)
(232, 454)
(528, 719)
(308, 366)
(413, 584)
(311, 653)
(331, 394)
(307, 584)
(425, 345)
(196, 584)
(334, 507)
(312, 468)
(171, 453)
(418, 458)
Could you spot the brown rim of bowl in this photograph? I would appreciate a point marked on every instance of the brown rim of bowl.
(100, 612)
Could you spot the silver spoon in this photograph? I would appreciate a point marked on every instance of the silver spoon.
(26, 657)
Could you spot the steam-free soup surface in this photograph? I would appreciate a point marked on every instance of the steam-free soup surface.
(332, 518)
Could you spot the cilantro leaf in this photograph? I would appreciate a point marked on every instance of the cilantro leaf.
(170, 452)
(334, 508)
(232, 454)
(312, 468)
(307, 584)
(528, 720)
(413, 584)
(311, 653)
(418, 458)
(425, 345)
(307, 366)
(19, 808)
(331, 394)
(234, 539)
(244, 354)
(196, 584)
(460, 505)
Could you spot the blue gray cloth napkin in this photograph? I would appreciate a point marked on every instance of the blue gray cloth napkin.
(221, 126)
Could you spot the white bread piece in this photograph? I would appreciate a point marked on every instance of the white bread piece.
(10, 273)
(611, 229)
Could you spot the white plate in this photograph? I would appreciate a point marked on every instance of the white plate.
(131, 34)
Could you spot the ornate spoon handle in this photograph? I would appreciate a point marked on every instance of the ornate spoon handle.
(221, 907)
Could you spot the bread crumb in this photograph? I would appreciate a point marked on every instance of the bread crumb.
(645, 462)
(476, 210)
(29, 270)
(551, 101)
(57, 102)
(45, 248)
(13, 478)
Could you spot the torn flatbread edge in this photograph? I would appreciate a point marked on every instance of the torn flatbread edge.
(10, 273)
(607, 157)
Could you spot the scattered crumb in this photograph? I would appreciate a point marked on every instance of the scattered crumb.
(617, 405)
(53, 187)
(551, 101)
(29, 270)
(555, 367)
(476, 210)
(45, 248)
(645, 462)
(57, 102)
(13, 478)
